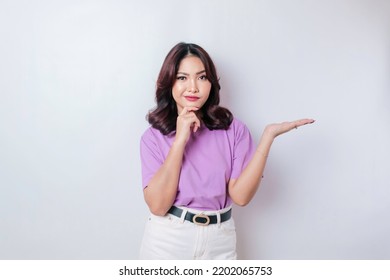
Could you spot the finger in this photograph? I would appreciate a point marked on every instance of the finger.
(184, 111)
(192, 109)
(196, 125)
(189, 109)
(196, 122)
(190, 120)
(301, 122)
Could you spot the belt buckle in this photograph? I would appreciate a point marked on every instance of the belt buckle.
(203, 216)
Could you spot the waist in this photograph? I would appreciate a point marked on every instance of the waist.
(199, 217)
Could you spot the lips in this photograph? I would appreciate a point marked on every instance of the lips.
(191, 98)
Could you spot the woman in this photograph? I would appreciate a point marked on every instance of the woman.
(197, 160)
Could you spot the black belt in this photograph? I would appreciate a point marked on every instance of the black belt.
(200, 219)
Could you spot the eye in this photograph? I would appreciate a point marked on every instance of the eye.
(203, 77)
(181, 78)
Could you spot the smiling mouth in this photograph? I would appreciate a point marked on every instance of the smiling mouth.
(192, 98)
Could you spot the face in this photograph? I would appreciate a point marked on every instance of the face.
(191, 88)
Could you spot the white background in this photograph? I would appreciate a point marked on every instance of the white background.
(77, 79)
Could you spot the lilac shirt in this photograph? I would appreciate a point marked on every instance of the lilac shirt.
(211, 158)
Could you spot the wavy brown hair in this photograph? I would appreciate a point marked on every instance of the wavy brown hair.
(164, 116)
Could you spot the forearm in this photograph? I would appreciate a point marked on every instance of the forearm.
(162, 188)
(245, 186)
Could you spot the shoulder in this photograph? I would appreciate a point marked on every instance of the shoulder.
(149, 142)
(153, 134)
(238, 125)
(150, 131)
(237, 122)
(239, 130)
(150, 134)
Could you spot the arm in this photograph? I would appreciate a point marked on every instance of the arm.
(242, 189)
(162, 188)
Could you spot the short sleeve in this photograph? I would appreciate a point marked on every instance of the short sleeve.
(243, 149)
(151, 156)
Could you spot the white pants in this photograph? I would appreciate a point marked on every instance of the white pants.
(173, 238)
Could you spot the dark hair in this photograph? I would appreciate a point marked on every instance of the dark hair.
(164, 116)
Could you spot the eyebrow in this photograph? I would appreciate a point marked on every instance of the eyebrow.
(197, 73)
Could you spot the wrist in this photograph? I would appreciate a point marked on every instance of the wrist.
(265, 144)
(267, 137)
(178, 143)
(262, 152)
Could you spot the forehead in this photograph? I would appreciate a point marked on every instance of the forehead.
(190, 64)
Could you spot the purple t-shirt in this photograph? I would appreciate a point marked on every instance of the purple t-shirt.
(211, 158)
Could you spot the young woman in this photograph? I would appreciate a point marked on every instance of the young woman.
(197, 160)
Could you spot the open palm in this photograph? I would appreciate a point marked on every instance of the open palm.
(277, 129)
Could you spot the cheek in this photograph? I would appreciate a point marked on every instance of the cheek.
(206, 89)
(176, 92)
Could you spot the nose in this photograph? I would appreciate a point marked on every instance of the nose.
(193, 87)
